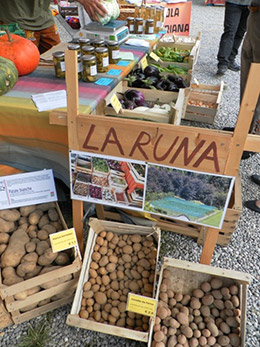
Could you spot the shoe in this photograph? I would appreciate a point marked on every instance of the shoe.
(222, 69)
(255, 179)
(232, 65)
(251, 204)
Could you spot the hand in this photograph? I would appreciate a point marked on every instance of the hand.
(93, 7)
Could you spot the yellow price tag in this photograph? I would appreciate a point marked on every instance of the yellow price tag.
(144, 63)
(115, 103)
(155, 56)
(141, 304)
(63, 240)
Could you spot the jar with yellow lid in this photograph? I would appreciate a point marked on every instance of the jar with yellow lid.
(89, 68)
(149, 26)
(59, 64)
(131, 24)
(139, 25)
(102, 59)
(113, 52)
(87, 50)
(98, 43)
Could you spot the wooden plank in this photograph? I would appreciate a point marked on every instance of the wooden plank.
(173, 145)
(41, 310)
(252, 143)
(243, 300)
(77, 214)
(209, 245)
(58, 118)
(245, 117)
(74, 320)
(5, 317)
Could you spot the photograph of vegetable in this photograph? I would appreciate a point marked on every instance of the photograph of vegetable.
(187, 195)
(110, 181)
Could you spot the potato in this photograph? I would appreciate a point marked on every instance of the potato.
(100, 298)
(43, 221)
(31, 257)
(158, 336)
(26, 210)
(205, 311)
(223, 340)
(232, 322)
(47, 257)
(219, 304)
(234, 340)
(207, 299)
(56, 281)
(213, 329)
(198, 293)
(15, 249)
(3, 247)
(33, 273)
(216, 283)
(182, 318)
(187, 331)
(195, 303)
(235, 300)
(53, 215)
(41, 247)
(35, 216)
(4, 237)
(42, 234)
(46, 206)
(10, 215)
(62, 259)
(234, 289)
(193, 342)
(10, 276)
(6, 226)
(30, 246)
(50, 228)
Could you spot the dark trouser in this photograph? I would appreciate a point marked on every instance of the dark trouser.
(251, 54)
(234, 30)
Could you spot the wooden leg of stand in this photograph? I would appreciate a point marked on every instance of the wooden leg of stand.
(77, 214)
(100, 211)
(209, 245)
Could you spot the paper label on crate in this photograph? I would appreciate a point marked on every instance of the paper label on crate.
(123, 63)
(114, 72)
(63, 240)
(104, 81)
(144, 63)
(141, 304)
(126, 55)
(154, 56)
(116, 103)
(27, 189)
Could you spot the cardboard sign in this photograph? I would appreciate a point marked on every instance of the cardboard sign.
(144, 63)
(177, 20)
(154, 56)
(141, 304)
(63, 240)
(116, 103)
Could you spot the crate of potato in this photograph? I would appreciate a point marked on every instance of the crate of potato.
(203, 102)
(199, 305)
(119, 258)
(33, 279)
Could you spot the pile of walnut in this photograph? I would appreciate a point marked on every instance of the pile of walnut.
(207, 317)
(25, 246)
(121, 263)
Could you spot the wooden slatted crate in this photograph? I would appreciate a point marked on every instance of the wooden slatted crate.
(186, 276)
(12, 310)
(96, 227)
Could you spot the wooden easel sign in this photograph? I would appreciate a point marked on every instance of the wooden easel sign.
(191, 196)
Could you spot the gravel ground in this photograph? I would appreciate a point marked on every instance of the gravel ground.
(242, 254)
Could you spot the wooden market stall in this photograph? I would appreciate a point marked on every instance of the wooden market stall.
(208, 150)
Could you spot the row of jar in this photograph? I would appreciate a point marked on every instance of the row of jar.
(146, 14)
(91, 60)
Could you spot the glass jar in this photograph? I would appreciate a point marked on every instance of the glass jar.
(131, 24)
(59, 64)
(138, 11)
(139, 25)
(79, 65)
(89, 68)
(113, 52)
(149, 26)
(102, 59)
(74, 47)
(159, 18)
(87, 50)
(98, 43)
(84, 42)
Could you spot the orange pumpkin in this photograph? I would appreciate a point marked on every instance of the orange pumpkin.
(22, 52)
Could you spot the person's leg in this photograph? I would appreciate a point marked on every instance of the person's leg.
(49, 37)
(231, 22)
(238, 37)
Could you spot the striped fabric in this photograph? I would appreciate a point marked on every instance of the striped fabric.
(27, 141)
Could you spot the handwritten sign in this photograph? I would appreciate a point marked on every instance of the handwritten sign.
(141, 304)
(116, 104)
(177, 20)
(154, 56)
(144, 63)
(63, 240)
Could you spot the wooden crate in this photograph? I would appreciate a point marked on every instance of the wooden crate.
(206, 95)
(73, 319)
(198, 232)
(194, 46)
(162, 97)
(186, 276)
(14, 307)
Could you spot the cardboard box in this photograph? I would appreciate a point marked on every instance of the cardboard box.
(96, 227)
(186, 276)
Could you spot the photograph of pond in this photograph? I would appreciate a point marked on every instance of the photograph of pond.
(187, 195)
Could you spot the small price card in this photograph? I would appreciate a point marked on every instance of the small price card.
(154, 56)
(116, 103)
(141, 304)
(63, 240)
(144, 63)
